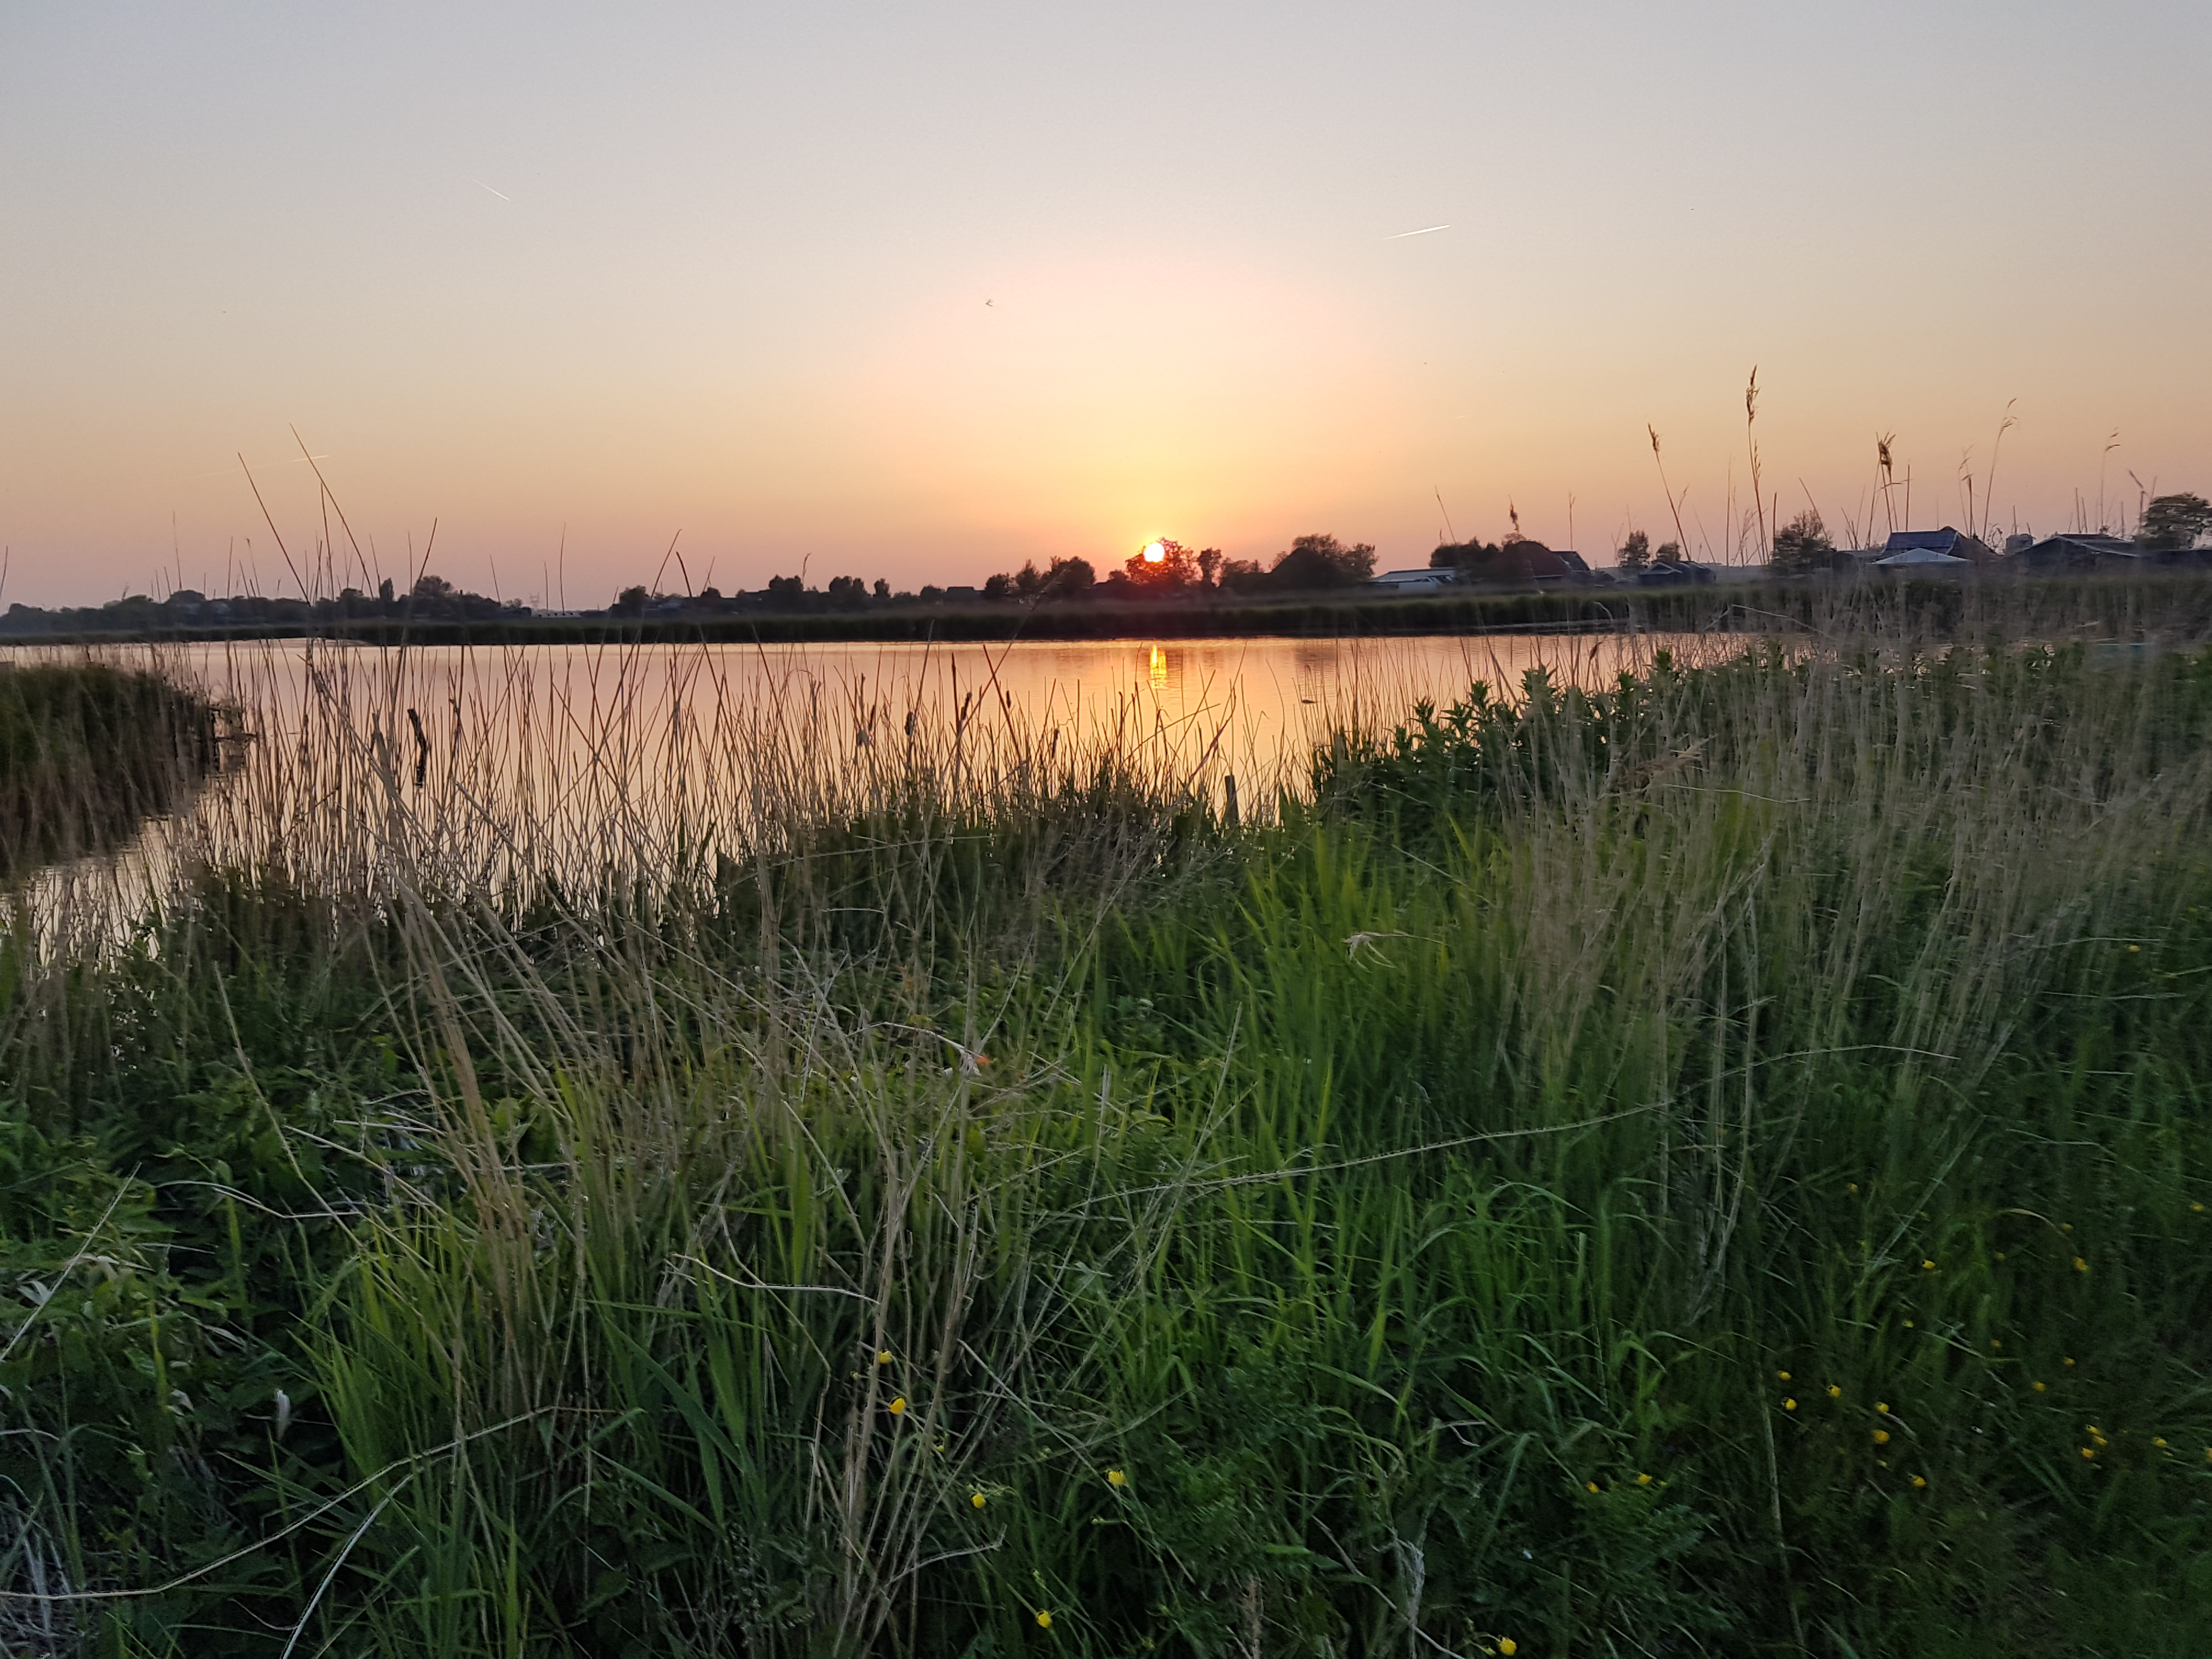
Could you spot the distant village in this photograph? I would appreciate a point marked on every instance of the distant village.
(2174, 533)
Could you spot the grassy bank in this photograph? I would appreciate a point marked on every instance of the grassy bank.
(87, 752)
(1716, 1166)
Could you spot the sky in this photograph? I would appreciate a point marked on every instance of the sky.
(919, 291)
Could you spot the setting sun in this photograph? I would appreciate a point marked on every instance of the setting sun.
(1156, 552)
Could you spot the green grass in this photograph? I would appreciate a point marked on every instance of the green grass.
(1698, 1081)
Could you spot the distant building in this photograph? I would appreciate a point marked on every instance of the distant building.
(1677, 572)
(1925, 560)
(1951, 543)
(2055, 553)
(1406, 581)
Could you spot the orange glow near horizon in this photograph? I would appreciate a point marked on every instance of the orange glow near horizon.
(947, 292)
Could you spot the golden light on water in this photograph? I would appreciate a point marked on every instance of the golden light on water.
(1157, 669)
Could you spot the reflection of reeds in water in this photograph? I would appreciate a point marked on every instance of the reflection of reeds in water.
(516, 770)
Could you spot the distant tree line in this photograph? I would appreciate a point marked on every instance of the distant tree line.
(1167, 569)
(432, 599)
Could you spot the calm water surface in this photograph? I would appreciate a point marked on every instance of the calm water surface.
(491, 764)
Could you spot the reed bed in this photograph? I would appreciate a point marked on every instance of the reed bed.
(1712, 1159)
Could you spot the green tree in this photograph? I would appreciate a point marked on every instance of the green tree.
(1635, 553)
(2171, 523)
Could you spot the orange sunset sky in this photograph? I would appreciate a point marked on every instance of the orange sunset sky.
(919, 291)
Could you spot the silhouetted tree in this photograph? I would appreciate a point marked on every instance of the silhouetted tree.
(1801, 547)
(1469, 558)
(1065, 578)
(1168, 569)
(1322, 562)
(1634, 553)
(631, 602)
(2171, 523)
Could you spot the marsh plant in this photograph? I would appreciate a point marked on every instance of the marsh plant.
(1715, 1164)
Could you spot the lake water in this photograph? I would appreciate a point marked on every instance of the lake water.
(487, 764)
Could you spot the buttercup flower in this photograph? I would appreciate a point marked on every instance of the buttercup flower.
(1919, 1479)
(883, 1356)
(977, 1500)
(1882, 1437)
(897, 1406)
(1116, 1478)
(1508, 1646)
(1788, 1405)
(1044, 1619)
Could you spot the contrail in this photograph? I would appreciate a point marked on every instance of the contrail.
(1423, 231)
(501, 194)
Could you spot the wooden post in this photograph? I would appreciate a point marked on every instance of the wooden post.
(1229, 800)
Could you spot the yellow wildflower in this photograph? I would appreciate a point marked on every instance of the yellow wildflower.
(1882, 1406)
(1508, 1646)
(2067, 1363)
(2088, 1451)
(1929, 1266)
(2159, 1441)
(883, 1356)
(1784, 1375)
(1882, 1437)
(2037, 1387)
(1919, 1479)
(1044, 1620)
(977, 1500)
(1116, 1478)
(1788, 1405)
(2080, 1265)
(1645, 1479)
(897, 1406)
(1835, 1392)
(1592, 1484)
